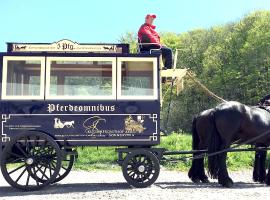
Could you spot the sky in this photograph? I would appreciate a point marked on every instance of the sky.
(94, 21)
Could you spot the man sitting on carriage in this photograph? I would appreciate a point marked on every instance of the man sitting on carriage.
(149, 39)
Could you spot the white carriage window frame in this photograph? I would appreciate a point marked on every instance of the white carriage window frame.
(119, 78)
(4, 77)
(83, 97)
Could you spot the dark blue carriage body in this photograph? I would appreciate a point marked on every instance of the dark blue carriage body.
(110, 130)
(83, 122)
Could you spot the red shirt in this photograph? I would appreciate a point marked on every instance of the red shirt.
(147, 34)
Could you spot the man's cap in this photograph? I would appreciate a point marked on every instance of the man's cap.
(150, 15)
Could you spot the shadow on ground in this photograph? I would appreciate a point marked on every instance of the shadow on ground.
(187, 185)
(95, 187)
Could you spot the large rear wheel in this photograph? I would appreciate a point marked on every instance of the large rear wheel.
(31, 161)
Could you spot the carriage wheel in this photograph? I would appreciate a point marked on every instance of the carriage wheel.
(140, 168)
(30, 158)
(66, 167)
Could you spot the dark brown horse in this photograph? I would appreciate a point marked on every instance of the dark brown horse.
(233, 121)
(201, 127)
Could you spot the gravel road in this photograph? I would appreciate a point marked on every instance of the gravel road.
(111, 185)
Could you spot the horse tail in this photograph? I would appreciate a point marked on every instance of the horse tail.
(214, 145)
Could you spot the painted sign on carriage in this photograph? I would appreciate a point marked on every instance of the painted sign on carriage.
(65, 46)
(84, 126)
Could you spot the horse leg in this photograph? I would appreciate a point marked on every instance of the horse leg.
(262, 161)
(193, 171)
(256, 168)
(201, 125)
(223, 175)
(197, 172)
(259, 171)
(203, 177)
(201, 172)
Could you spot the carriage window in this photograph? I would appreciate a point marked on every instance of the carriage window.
(138, 78)
(23, 78)
(80, 78)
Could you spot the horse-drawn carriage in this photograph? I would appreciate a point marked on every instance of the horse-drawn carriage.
(56, 97)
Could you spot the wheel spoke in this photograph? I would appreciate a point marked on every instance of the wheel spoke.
(134, 160)
(14, 170)
(43, 174)
(50, 169)
(14, 161)
(20, 176)
(140, 158)
(145, 160)
(35, 172)
(21, 150)
(131, 173)
(129, 167)
(14, 154)
(27, 180)
(53, 166)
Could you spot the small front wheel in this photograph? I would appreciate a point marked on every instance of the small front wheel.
(140, 168)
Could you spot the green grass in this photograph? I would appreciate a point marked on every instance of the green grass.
(104, 158)
(93, 158)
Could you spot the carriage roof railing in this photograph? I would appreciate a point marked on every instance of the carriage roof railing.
(68, 46)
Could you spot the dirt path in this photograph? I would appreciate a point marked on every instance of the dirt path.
(111, 185)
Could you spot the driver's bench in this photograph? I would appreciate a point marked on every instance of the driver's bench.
(171, 76)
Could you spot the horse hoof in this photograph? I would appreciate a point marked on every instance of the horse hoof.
(195, 180)
(228, 183)
(205, 180)
(256, 178)
(262, 180)
(267, 181)
(259, 180)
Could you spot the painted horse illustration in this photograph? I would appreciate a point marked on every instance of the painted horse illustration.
(59, 124)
